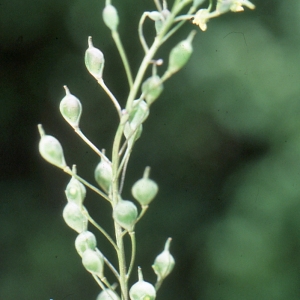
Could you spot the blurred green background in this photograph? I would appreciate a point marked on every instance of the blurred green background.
(223, 141)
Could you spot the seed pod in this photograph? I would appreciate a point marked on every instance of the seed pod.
(142, 289)
(131, 134)
(164, 262)
(139, 113)
(152, 88)
(103, 175)
(74, 217)
(85, 240)
(125, 214)
(94, 60)
(145, 189)
(93, 262)
(75, 191)
(110, 17)
(51, 149)
(71, 108)
(108, 294)
(158, 19)
(180, 54)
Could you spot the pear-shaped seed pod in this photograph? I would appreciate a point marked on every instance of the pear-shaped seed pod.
(93, 262)
(85, 240)
(75, 191)
(110, 17)
(180, 54)
(51, 149)
(142, 290)
(94, 60)
(125, 214)
(132, 134)
(145, 189)
(103, 175)
(139, 113)
(108, 294)
(164, 262)
(71, 108)
(74, 217)
(152, 88)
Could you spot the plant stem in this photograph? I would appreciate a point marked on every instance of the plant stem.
(111, 96)
(115, 198)
(133, 250)
(118, 42)
(92, 146)
(93, 188)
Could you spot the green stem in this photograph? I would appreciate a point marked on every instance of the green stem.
(99, 282)
(177, 7)
(92, 221)
(118, 42)
(117, 142)
(87, 141)
(93, 188)
(111, 96)
(115, 197)
(133, 251)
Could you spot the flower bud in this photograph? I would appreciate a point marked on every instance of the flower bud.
(139, 113)
(70, 108)
(93, 262)
(85, 240)
(108, 294)
(74, 217)
(152, 88)
(75, 191)
(145, 189)
(164, 262)
(180, 54)
(110, 17)
(51, 149)
(103, 175)
(125, 214)
(142, 290)
(94, 60)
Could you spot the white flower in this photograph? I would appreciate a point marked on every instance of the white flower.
(233, 5)
(201, 18)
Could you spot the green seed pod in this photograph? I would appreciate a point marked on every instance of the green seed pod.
(158, 26)
(108, 294)
(145, 189)
(93, 262)
(164, 262)
(85, 240)
(51, 149)
(142, 290)
(110, 17)
(132, 134)
(74, 217)
(75, 191)
(155, 15)
(139, 113)
(165, 13)
(125, 214)
(94, 60)
(70, 108)
(180, 54)
(103, 175)
(152, 88)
